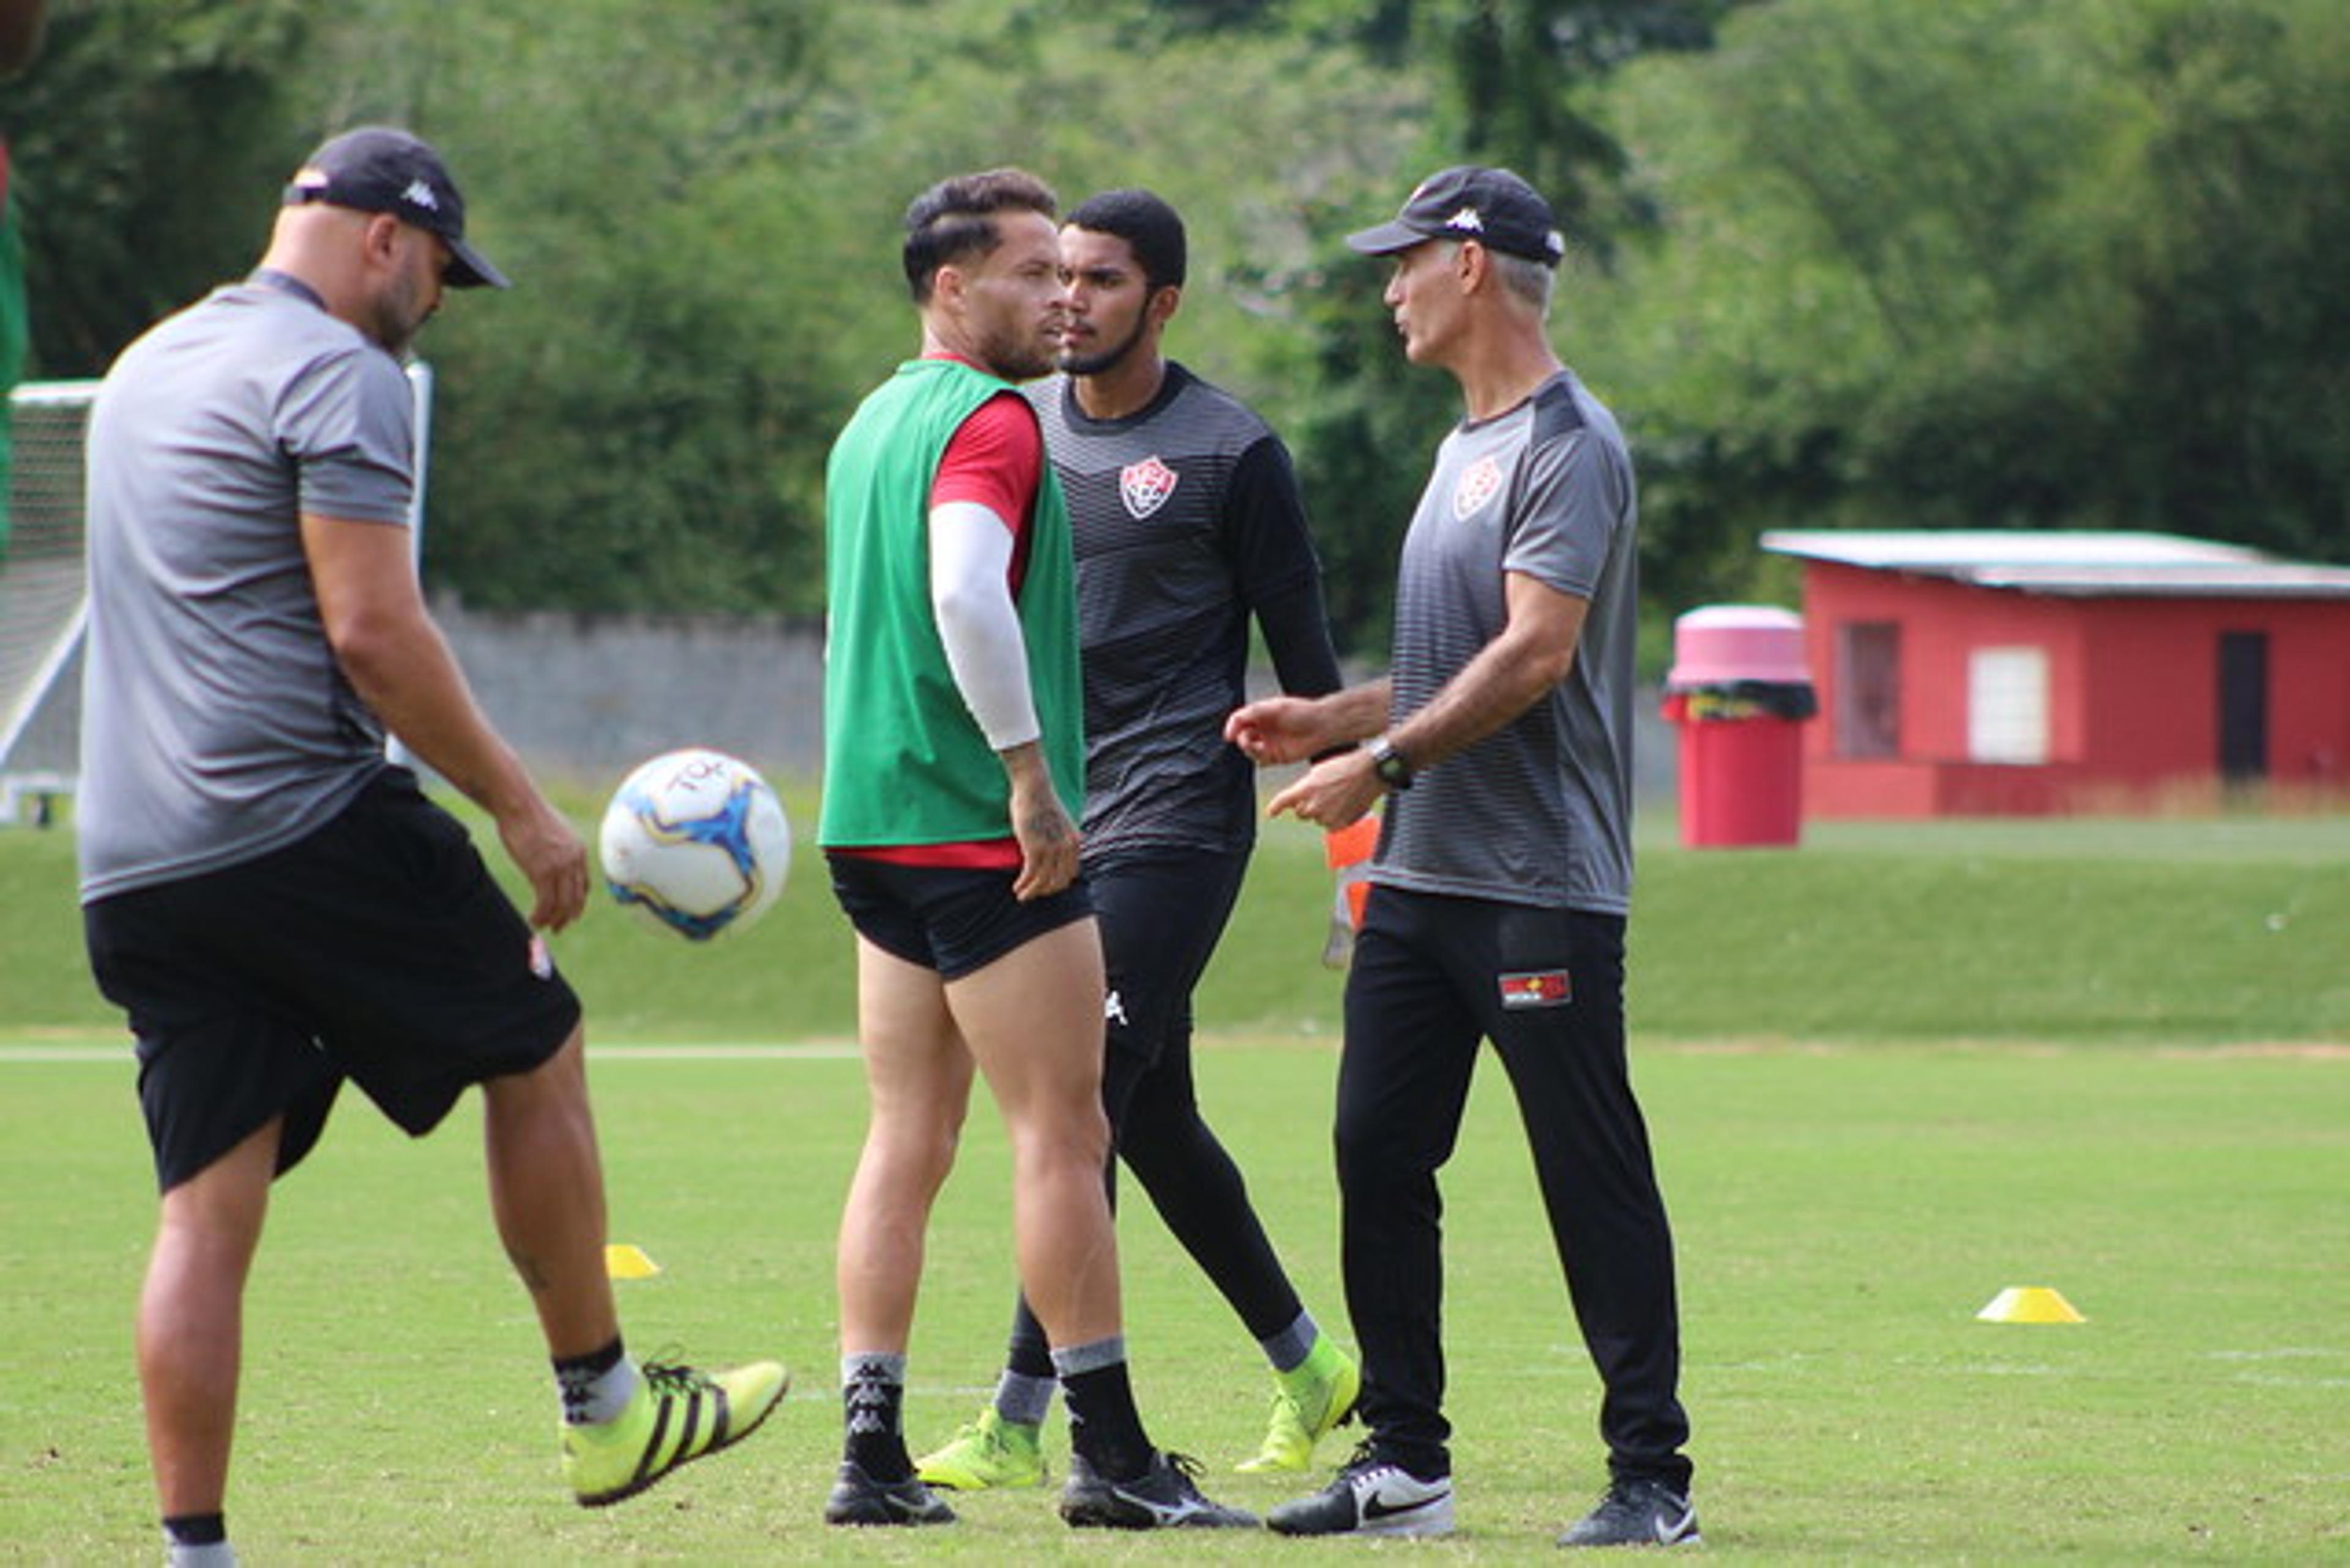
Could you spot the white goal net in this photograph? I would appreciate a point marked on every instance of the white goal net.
(42, 603)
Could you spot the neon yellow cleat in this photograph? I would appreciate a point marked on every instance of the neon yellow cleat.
(676, 1415)
(991, 1452)
(1309, 1401)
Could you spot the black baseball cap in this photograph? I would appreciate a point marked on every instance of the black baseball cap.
(1491, 206)
(381, 169)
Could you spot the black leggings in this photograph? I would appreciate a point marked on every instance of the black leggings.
(1160, 918)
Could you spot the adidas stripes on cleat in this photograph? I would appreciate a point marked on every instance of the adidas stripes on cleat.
(858, 1499)
(1371, 1496)
(1637, 1513)
(1163, 1497)
(1309, 1401)
(991, 1452)
(676, 1415)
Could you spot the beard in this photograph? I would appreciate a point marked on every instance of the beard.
(1095, 361)
(1015, 356)
(398, 317)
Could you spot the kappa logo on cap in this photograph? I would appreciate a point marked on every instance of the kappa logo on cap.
(1466, 218)
(1145, 486)
(419, 194)
(1479, 482)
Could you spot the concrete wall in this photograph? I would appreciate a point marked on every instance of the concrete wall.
(594, 696)
(588, 698)
(591, 697)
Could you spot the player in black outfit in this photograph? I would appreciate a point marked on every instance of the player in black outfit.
(1188, 523)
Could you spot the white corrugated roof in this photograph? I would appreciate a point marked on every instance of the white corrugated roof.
(2077, 562)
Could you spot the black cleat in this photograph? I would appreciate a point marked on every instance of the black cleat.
(1163, 1497)
(858, 1499)
(1637, 1513)
(1371, 1496)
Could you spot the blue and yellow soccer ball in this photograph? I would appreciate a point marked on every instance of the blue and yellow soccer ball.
(696, 841)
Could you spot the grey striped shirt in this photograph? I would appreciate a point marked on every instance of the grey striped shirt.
(1187, 522)
(1540, 811)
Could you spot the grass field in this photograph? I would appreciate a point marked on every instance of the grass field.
(2192, 932)
(1889, 1075)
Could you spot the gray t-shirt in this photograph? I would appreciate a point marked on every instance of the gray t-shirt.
(1540, 811)
(216, 723)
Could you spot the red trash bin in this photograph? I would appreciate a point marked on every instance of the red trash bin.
(1738, 691)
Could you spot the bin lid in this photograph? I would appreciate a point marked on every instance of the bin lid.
(1737, 642)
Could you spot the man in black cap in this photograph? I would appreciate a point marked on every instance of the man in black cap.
(276, 905)
(1501, 742)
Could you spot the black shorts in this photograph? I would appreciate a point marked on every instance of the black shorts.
(953, 920)
(377, 950)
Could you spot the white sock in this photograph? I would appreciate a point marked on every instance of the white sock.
(590, 1401)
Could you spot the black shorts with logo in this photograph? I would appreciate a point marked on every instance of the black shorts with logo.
(377, 950)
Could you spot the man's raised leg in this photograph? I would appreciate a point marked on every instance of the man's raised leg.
(624, 1426)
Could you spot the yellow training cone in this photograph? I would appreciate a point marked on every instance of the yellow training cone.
(623, 1261)
(2029, 1304)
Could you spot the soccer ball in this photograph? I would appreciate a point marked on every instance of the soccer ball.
(696, 841)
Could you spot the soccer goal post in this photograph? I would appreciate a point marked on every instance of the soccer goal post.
(44, 592)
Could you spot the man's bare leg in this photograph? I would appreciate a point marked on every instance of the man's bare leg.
(1033, 1019)
(547, 1191)
(190, 1330)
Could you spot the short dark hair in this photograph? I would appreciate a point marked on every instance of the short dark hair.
(1152, 229)
(956, 218)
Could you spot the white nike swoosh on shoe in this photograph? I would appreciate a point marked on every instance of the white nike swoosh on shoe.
(1377, 1507)
(1677, 1529)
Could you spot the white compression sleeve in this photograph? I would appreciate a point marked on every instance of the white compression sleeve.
(971, 594)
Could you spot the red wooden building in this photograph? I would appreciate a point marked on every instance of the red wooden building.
(1966, 672)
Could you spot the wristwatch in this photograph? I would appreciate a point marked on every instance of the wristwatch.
(1394, 770)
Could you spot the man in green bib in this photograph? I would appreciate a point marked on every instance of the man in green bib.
(954, 756)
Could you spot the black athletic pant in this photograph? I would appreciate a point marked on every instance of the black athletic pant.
(1160, 918)
(1431, 978)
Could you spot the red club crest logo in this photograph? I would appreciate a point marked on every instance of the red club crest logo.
(1479, 483)
(1145, 486)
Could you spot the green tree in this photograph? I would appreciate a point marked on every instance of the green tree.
(637, 425)
(1988, 263)
(1517, 91)
(2236, 382)
(708, 282)
(147, 144)
(1268, 137)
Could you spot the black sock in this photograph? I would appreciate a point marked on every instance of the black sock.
(872, 1395)
(1104, 1424)
(196, 1529)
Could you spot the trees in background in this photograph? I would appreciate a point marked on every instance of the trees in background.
(148, 148)
(1891, 261)
(1988, 263)
(1520, 86)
